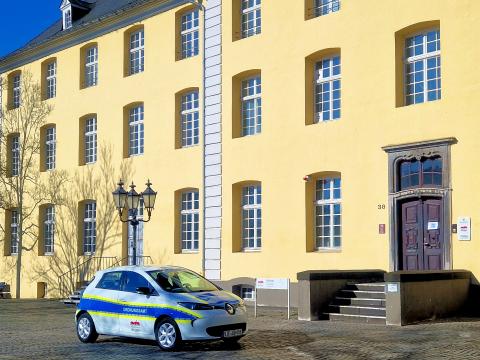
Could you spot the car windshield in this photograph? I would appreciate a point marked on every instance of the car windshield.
(181, 281)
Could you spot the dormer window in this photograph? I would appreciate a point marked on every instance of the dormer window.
(67, 19)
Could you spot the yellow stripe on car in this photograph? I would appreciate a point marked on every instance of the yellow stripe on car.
(159, 306)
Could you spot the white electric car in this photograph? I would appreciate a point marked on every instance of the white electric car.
(166, 304)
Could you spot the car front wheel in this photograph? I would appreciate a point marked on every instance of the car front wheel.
(86, 331)
(168, 335)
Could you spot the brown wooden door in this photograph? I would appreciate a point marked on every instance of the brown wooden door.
(422, 238)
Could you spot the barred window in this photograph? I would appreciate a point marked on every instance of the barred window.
(91, 66)
(190, 119)
(328, 213)
(422, 68)
(327, 89)
(91, 140)
(251, 17)
(190, 220)
(15, 155)
(90, 228)
(49, 229)
(50, 148)
(137, 52)
(51, 80)
(247, 293)
(14, 232)
(324, 7)
(252, 106)
(190, 45)
(16, 91)
(136, 130)
(252, 217)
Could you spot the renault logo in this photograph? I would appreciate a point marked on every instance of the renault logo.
(230, 309)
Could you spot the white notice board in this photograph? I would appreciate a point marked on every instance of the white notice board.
(464, 228)
(273, 284)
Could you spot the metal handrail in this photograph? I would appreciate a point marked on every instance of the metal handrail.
(125, 259)
(67, 282)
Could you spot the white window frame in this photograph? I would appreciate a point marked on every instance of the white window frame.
(51, 79)
(15, 154)
(49, 230)
(90, 140)
(16, 91)
(256, 99)
(411, 60)
(246, 208)
(89, 227)
(136, 137)
(256, 10)
(140, 236)
(14, 232)
(247, 293)
(190, 215)
(137, 52)
(190, 115)
(67, 18)
(331, 201)
(50, 147)
(323, 7)
(91, 66)
(190, 34)
(321, 81)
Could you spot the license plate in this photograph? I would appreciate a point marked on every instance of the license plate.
(232, 333)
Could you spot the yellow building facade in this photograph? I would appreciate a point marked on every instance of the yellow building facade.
(331, 135)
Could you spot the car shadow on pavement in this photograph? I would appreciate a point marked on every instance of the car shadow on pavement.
(255, 339)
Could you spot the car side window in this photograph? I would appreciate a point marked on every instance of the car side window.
(133, 280)
(110, 281)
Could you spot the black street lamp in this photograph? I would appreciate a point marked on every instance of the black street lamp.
(129, 201)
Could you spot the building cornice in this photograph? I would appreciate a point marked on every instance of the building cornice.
(86, 32)
(419, 144)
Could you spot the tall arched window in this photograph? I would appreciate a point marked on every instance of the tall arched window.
(425, 172)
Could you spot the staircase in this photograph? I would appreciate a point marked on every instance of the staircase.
(360, 303)
(74, 298)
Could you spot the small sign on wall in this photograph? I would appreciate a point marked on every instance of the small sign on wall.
(381, 228)
(464, 228)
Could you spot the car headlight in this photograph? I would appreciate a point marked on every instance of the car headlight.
(196, 306)
(241, 304)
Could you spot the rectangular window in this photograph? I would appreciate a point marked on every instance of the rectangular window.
(14, 232)
(189, 34)
(137, 52)
(190, 220)
(16, 92)
(324, 7)
(140, 226)
(247, 293)
(251, 18)
(91, 140)
(252, 217)
(50, 148)
(15, 155)
(190, 119)
(49, 229)
(327, 89)
(91, 66)
(136, 130)
(252, 106)
(422, 68)
(328, 213)
(51, 80)
(90, 228)
(67, 19)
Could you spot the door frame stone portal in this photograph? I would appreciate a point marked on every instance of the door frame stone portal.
(418, 150)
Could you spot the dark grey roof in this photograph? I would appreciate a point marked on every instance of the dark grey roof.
(100, 9)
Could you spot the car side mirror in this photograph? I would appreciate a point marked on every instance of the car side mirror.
(143, 290)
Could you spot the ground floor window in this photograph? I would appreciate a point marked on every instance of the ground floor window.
(247, 293)
(328, 213)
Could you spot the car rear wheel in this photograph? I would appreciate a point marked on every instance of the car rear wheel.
(86, 331)
(168, 335)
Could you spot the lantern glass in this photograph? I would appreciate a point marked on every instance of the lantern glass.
(119, 196)
(149, 197)
(133, 198)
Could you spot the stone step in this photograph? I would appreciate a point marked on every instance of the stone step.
(359, 302)
(380, 287)
(357, 310)
(380, 320)
(361, 294)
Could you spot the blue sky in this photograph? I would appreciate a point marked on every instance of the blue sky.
(22, 20)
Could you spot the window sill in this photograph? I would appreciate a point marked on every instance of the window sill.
(251, 250)
(326, 250)
(189, 252)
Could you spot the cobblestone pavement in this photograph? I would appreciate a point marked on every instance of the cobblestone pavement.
(45, 330)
